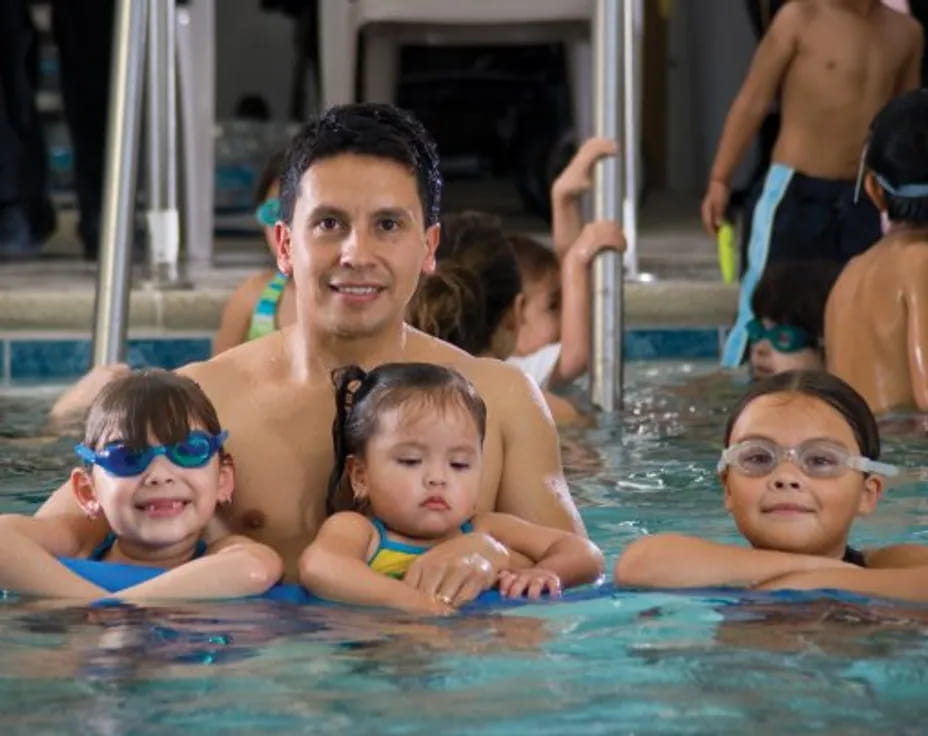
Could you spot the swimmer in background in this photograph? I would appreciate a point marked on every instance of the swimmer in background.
(801, 461)
(834, 64)
(554, 333)
(266, 301)
(788, 328)
(155, 470)
(876, 321)
(408, 447)
(474, 299)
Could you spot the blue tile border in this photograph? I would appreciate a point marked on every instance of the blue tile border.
(37, 359)
(34, 358)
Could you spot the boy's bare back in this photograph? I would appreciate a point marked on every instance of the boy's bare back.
(846, 60)
(876, 323)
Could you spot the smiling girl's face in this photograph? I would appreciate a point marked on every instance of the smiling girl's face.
(786, 509)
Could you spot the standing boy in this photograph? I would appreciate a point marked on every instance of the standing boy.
(835, 63)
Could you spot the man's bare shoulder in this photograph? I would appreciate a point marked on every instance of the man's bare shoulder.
(496, 380)
(247, 364)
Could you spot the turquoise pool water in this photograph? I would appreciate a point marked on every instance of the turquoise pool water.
(633, 662)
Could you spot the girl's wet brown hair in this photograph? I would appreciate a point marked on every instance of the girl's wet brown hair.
(824, 387)
(361, 397)
(151, 402)
(450, 305)
(535, 260)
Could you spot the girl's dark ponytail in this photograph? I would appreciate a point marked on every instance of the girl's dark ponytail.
(348, 381)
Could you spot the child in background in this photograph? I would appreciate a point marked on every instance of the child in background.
(788, 329)
(408, 438)
(800, 463)
(474, 299)
(876, 321)
(554, 336)
(264, 302)
(154, 471)
(833, 65)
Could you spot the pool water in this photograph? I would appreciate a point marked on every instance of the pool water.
(631, 662)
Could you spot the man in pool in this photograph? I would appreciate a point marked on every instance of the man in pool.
(359, 198)
(876, 318)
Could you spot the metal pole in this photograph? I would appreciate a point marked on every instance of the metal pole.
(162, 216)
(122, 129)
(633, 42)
(196, 51)
(606, 363)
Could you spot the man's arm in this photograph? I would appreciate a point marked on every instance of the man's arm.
(532, 484)
(916, 298)
(773, 56)
(62, 508)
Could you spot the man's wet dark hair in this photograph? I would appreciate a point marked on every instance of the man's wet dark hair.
(365, 129)
(795, 292)
(898, 155)
(825, 387)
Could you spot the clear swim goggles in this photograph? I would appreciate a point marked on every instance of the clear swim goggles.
(119, 460)
(816, 458)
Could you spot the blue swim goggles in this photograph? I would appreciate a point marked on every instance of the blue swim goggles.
(783, 338)
(268, 212)
(117, 459)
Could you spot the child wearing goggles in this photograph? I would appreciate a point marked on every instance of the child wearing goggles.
(800, 463)
(408, 440)
(787, 331)
(154, 472)
(264, 302)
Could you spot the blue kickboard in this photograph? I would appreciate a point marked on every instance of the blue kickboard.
(115, 576)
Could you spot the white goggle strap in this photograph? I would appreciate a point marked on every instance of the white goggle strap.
(866, 465)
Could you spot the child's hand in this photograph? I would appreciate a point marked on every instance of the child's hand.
(714, 205)
(428, 605)
(595, 237)
(577, 176)
(531, 582)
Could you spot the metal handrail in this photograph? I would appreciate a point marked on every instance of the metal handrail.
(606, 365)
(111, 308)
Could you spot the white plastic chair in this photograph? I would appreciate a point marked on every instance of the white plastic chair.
(387, 24)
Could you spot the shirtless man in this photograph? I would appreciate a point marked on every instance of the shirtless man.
(876, 319)
(836, 63)
(359, 222)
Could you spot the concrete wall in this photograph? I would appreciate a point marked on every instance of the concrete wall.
(254, 55)
(710, 46)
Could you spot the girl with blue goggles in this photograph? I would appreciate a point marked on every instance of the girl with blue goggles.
(154, 513)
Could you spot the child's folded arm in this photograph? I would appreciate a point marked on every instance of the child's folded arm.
(28, 551)
(909, 583)
(234, 567)
(334, 566)
(678, 561)
(573, 558)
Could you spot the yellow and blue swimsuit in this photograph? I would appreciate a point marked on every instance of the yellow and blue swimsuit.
(394, 558)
